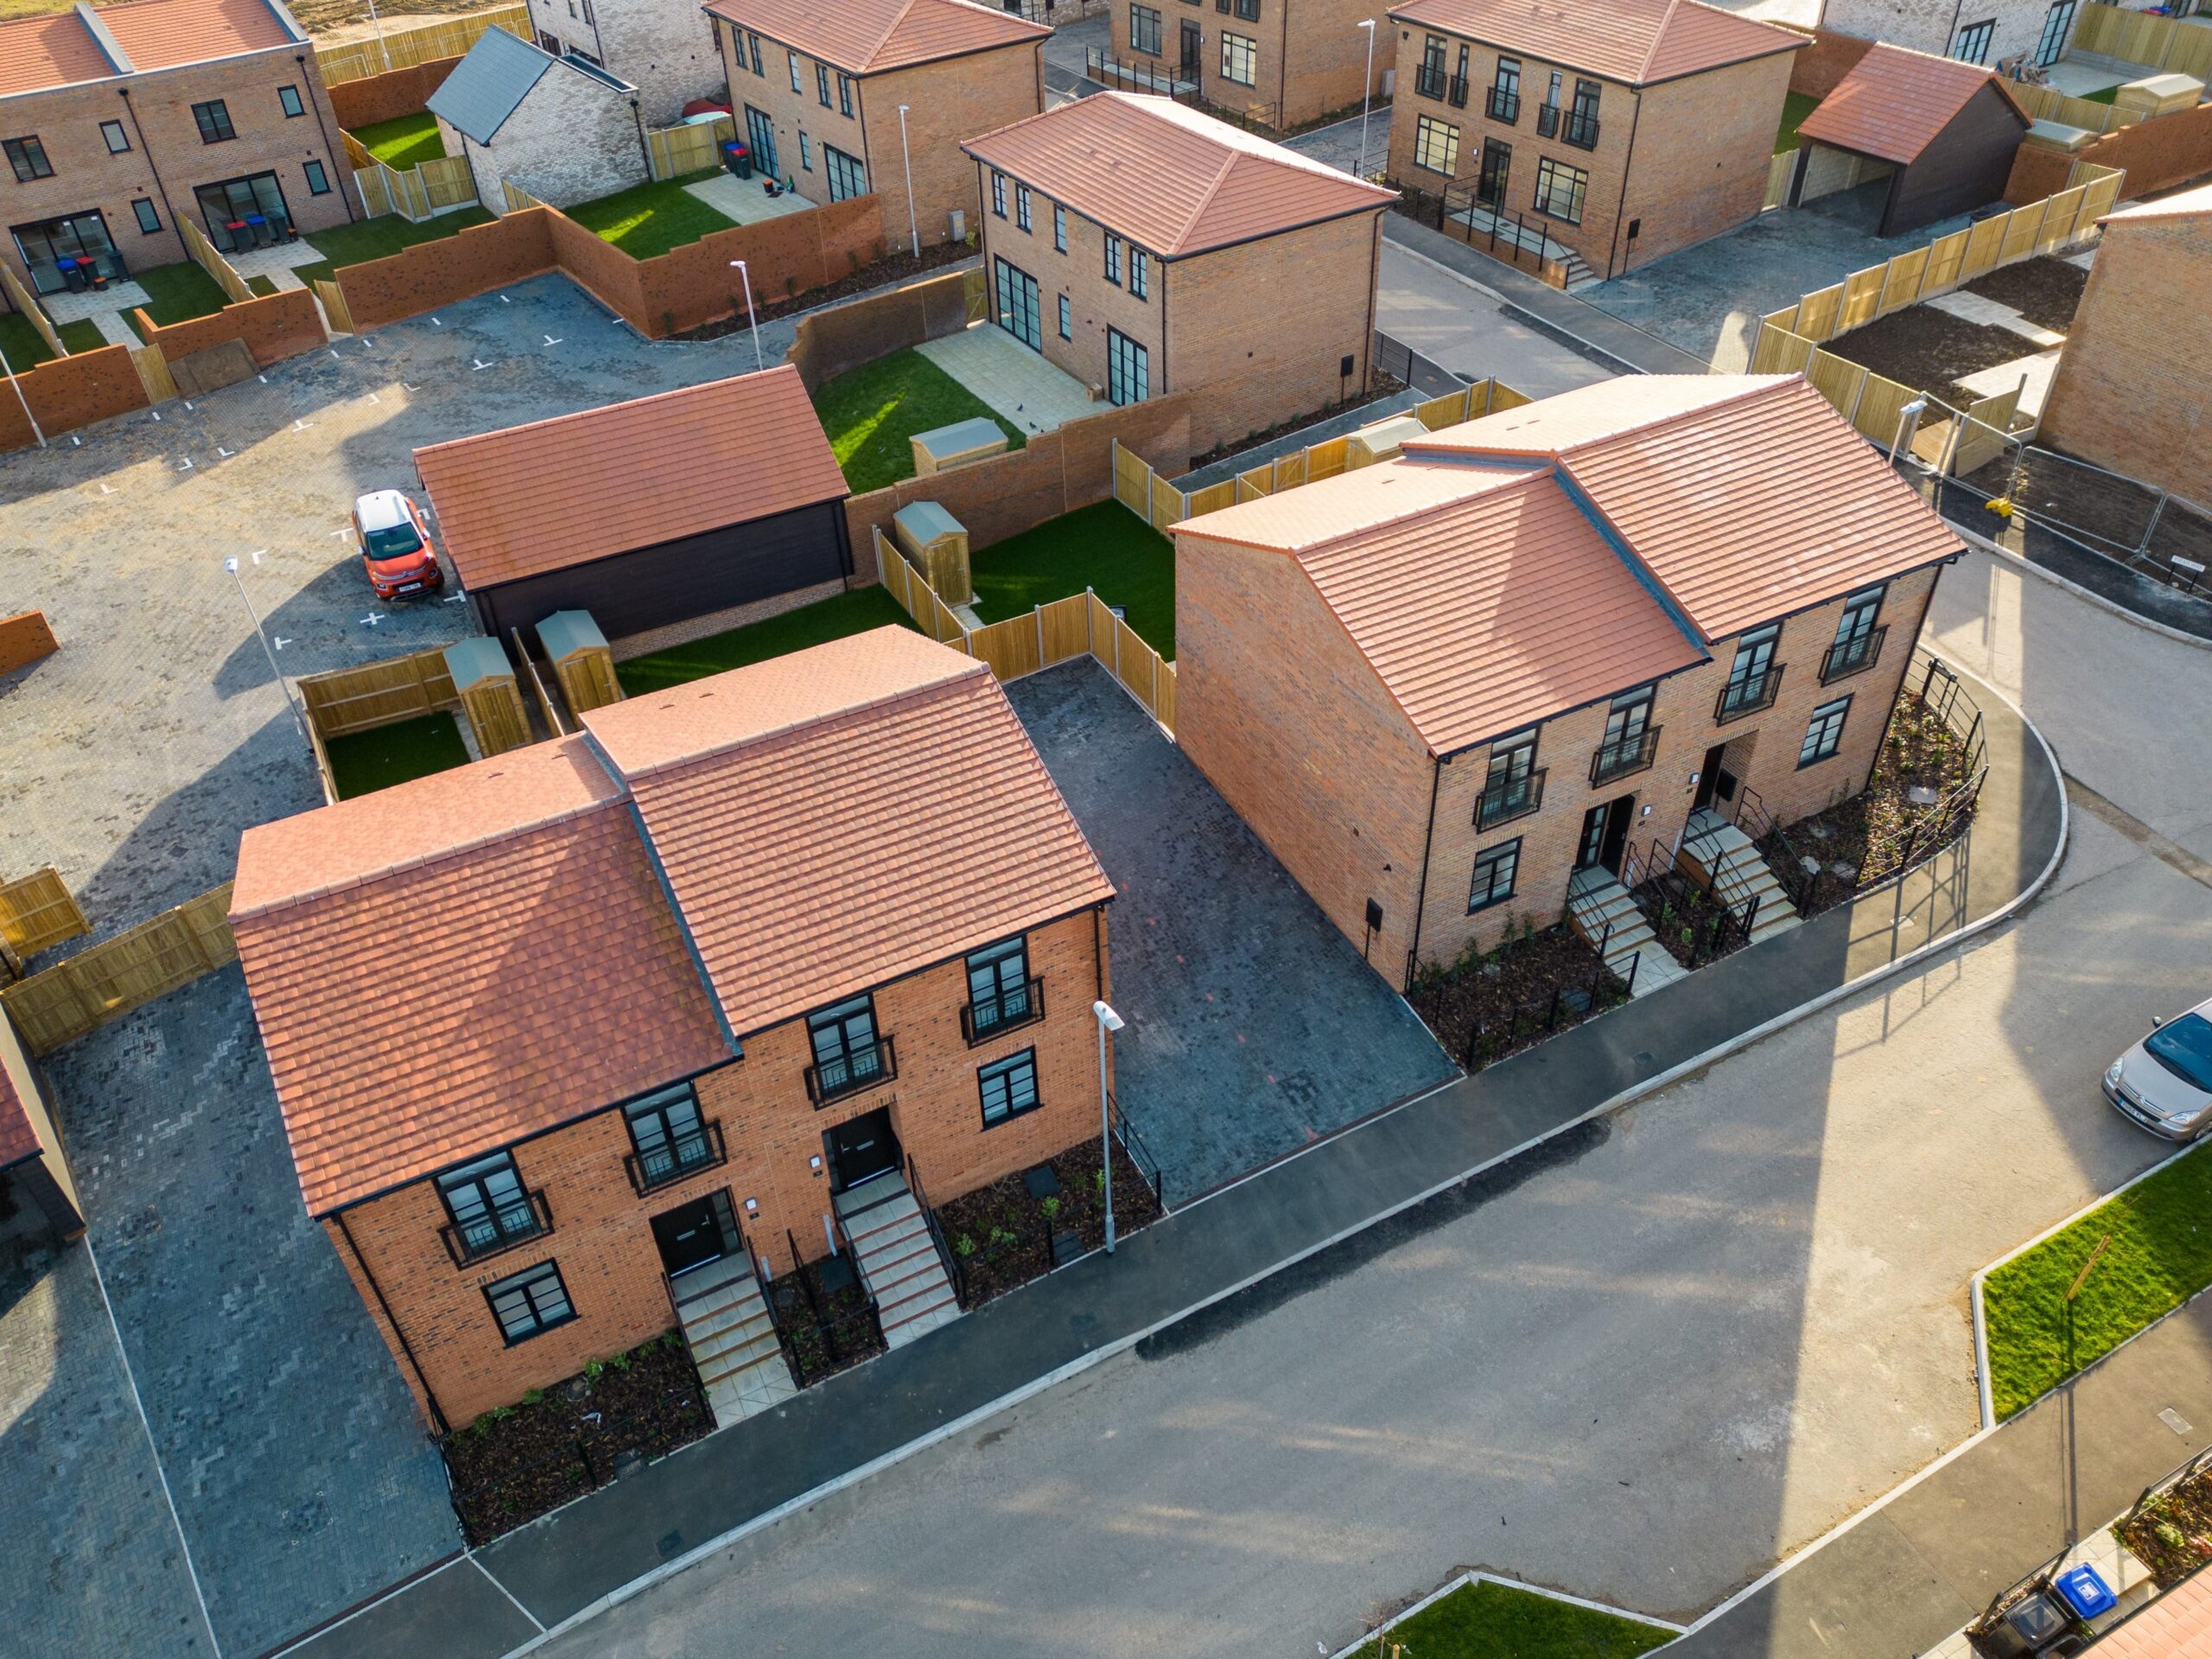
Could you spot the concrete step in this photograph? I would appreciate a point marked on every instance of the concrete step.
(734, 1345)
(735, 1398)
(900, 1263)
(710, 1282)
(870, 1193)
(921, 1323)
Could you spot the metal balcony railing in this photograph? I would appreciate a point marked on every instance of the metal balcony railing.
(528, 1216)
(683, 1154)
(852, 1071)
(1852, 656)
(1508, 798)
(1548, 120)
(1428, 80)
(989, 1016)
(1456, 93)
(1747, 696)
(1503, 106)
(1624, 756)
(1580, 130)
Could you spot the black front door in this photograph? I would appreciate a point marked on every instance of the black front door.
(690, 1236)
(1193, 45)
(1708, 780)
(1604, 835)
(1498, 164)
(859, 1149)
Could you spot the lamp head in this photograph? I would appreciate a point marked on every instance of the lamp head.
(231, 566)
(1107, 1018)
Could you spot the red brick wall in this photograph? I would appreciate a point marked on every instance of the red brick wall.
(24, 637)
(1831, 57)
(432, 274)
(2168, 149)
(786, 257)
(603, 1237)
(372, 99)
(69, 392)
(2037, 173)
(274, 327)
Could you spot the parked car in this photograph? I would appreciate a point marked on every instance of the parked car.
(2165, 1082)
(395, 545)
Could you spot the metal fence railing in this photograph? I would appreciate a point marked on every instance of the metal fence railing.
(1424, 375)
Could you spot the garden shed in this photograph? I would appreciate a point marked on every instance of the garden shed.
(666, 517)
(1944, 133)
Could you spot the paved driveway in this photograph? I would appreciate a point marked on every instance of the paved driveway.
(1471, 331)
(1253, 1027)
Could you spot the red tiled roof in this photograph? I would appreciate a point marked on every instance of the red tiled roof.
(1636, 41)
(2178, 1625)
(1169, 178)
(835, 818)
(55, 50)
(1895, 101)
(864, 36)
(18, 1138)
(162, 33)
(452, 964)
(528, 499)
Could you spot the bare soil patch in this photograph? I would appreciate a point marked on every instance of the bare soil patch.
(2109, 514)
(2173, 1534)
(1483, 1007)
(2046, 291)
(1002, 1234)
(1929, 350)
(890, 268)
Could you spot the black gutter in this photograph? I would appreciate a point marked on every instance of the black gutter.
(1628, 169)
(437, 1412)
(159, 189)
(1428, 846)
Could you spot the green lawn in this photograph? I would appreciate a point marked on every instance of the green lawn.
(260, 285)
(363, 762)
(2160, 1256)
(176, 294)
(1106, 547)
(410, 141)
(1484, 1620)
(2104, 96)
(26, 347)
(810, 625)
(651, 218)
(379, 239)
(870, 412)
(1795, 106)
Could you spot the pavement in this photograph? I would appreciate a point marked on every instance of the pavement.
(1015, 383)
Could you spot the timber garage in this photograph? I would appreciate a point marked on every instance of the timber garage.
(667, 518)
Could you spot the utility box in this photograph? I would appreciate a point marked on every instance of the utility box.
(935, 544)
(581, 662)
(1382, 440)
(490, 700)
(963, 443)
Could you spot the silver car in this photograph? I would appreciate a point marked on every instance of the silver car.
(2164, 1083)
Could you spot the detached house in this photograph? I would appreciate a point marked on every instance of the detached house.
(1618, 132)
(1147, 249)
(1452, 689)
(591, 1038)
(1280, 62)
(875, 95)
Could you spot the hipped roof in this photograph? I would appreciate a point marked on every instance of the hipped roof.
(864, 37)
(1636, 41)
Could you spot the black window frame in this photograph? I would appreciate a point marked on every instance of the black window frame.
(1113, 258)
(1754, 677)
(27, 156)
(2057, 24)
(1578, 191)
(799, 86)
(1002, 994)
(290, 101)
(822, 83)
(1024, 214)
(1067, 318)
(1484, 895)
(1513, 784)
(1060, 228)
(664, 1148)
(1980, 35)
(758, 68)
(110, 131)
(143, 208)
(512, 1220)
(1424, 125)
(842, 1016)
(1140, 273)
(1828, 720)
(998, 194)
(1858, 634)
(1429, 73)
(1007, 1069)
(213, 118)
(527, 1282)
(317, 177)
(844, 95)
(1250, 54)
(847, 174)
(1247, 11)
(1120, 344)
(1144, 22)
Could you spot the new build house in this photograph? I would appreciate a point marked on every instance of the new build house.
(1147, 249)
(1973, 31)
(1280, 62)
(659, 47)
(1449, 689)
(876, 95)
(121, 120)
(1614, 133)
(562, 129)
(587, 1040)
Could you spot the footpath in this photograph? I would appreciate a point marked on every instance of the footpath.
(607, 1545)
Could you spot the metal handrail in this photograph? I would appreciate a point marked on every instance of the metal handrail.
(1624, 756)
(1504, 107)
(1154, 1173)
(1428, 80)
(958, 1273)
(1455, 92)
(1548, 120)
(714, 1154)
(853, 1082)
(1009, 1011)
(1517, 798)
(1725, 882)
(1852, 656)
(1749, 695)
(1580, 130)
(464, 1255)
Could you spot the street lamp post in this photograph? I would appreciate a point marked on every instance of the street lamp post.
(1366, 94)
(1910, 413)
(300, 719)
(753, 321)
(906, 160)
(1108, 1020)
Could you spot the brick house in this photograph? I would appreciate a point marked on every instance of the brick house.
(1620, 132)
(1977, 31)
(869, 94)
(562, 129)
(576, 1043)
(2134, 390)
(1147, 249)
(1442, 688)
(1282, 62)
(657, 46)
(33, 1164)
(118, 120)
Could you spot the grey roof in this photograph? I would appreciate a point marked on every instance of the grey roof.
(475, 660)
(566, 633)
(486, 86)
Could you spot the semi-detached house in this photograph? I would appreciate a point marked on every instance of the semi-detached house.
(1283, 63)
(589, 1040)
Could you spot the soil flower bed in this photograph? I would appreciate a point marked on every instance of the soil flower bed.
(1002, 1234)
(1691, 922)
(825, 1330)
(516, 1463)
(2173, 1534)
(1483, 1007)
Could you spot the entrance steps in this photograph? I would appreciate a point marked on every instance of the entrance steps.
(1596, 899)
(733, 1339)
(1714, 849)
(898, 1259)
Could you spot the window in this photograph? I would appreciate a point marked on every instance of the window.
(1752, 677)
(1113, 258)
(1009, 1087)
(805, 152)
(758, 68)
(1239, 59)
(1514, 788)
(80, 238)
(1582, 127)
(1428, 76)
(998, 195)
(1144, 30)
(318, 181)
(1560, 190)
(28, 157)
(529, 1302)
(1496, 869)
(1129, 369)
(669, 1139)
(118, 139)
(148, 220)
(1248, 10)
(1631, 741)
(1140, 273)
(793, 56)
(1436, 145)
(489, 1208)
(1824, 735)
(1067, 318)
(1018, 305)
(2057, 22)
(1059, 227)
(822, 83)
(845, 95)
(1021, 206)
(1001, 994)
(848, 174)
(1505, 92)
(848, 1052)
(214, 119)
(287, 99)
(590, 21)
(1858, 635)
(1973, 43)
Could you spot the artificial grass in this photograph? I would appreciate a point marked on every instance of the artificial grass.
(1795, 106)
(1104, 547)
(1485, 1620)
(2160, 1256)
(26, 347)
(650, 218)
(2103, 95)
(810, 625)
(870, 412)
(176, 294)
(260, 285)
(406, 141)
(379, 239)
(364, 762)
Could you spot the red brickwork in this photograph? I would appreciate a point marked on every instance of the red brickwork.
(24, 637)
(372, 99)
(274, 327)
(1308, 56)
(1820, 66)
(433, 274)
(67, 392)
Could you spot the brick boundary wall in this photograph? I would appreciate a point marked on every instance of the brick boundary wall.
(847, 336)
(386, 97)
(2158, 154)
(2037, 173)
(1830, 57)
(69, 392)
(433, 274)
(274, 327)
(25, 637)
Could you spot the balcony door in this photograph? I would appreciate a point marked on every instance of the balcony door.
(1193, 44)
(1019, 312)
(761, 132)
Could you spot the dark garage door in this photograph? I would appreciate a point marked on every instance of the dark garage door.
(653, 587)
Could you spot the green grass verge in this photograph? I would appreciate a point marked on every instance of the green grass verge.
(2104, 96)
(26, 346)
(870, 412)
(1795, 106)
(810, 625)
(1484, 1620)
(1106, 547)
(364, 762)
(408, 141)
(2160, 1256)
(176, 294)
(651, 218)
(379, 239)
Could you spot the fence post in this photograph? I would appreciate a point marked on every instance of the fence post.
(1038, 612)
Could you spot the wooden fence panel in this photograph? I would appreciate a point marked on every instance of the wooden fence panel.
(687, 148)
(1780, 351)
(1438, 413)
(1163, 704)
(1290, 472)
(345, 700)
(944, 627)
(2103, 192)
(1011, 647)
(1901, 285)
(1212, 498)
(1132, 481)
(1167, 504)
(1260, 481)
(448, 181)
(403, 48)
(376, 199)
(1502, 397)
(153, 372)
(204, 255)
(1837, 379)
(1944, 254)
(2059, 214)
(1862, 298)
(1881, 403)
(1983, 438)
(34, 312)
(1066, 627)
(1779, 171)
(81, 994)
(38, 912)
(1816, 314)
(335, 308)
(2021, 226)
(1985, 247)
(1137, 665)
(1326, 460)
